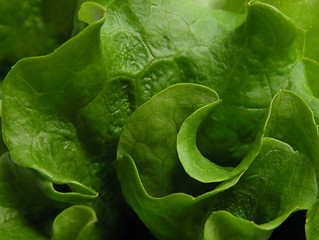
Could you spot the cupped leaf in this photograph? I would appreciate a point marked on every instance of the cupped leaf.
(91, 12)
(228, 135)
(150, 137)
(76, 222)
(194, 163)
(279, 181)
(260, 63)
(305, 15)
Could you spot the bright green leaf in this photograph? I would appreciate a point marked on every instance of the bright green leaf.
(150, 137)
(63, 114)
(278, 182)
(91, 12)
(290, 121)
(194, 163)
(76, 222)
(222, 225)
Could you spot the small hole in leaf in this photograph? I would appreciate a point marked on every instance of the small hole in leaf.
(64, 188)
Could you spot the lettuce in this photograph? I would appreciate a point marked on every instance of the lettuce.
(163, 119)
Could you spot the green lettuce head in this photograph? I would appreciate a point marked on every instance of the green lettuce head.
(200, 116)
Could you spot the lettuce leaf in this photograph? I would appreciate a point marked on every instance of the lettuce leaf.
(209, 107)
(76, 222)
(279, 181)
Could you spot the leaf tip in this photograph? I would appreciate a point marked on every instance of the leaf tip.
(91, 12)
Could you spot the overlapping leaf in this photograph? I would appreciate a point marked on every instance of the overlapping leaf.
(63, 114)
(279, 180)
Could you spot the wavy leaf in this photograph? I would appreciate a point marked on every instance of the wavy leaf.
(150, 137)
(279, 181)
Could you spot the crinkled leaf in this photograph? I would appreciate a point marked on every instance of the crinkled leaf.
(50, 137)
(262, 62)
(305, 14)
(50, 132)
(85, 104)
(63, 113)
